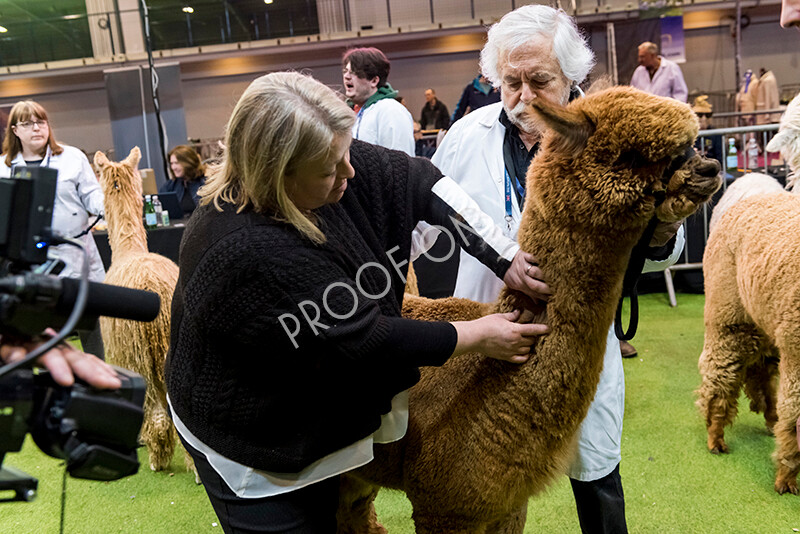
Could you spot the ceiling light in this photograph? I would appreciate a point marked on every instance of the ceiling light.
(267, 1)
(3, 29)
(188, 9)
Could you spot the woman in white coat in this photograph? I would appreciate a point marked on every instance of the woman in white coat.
(29, 141)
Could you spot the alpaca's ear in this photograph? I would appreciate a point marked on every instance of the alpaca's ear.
(133, 158)
(100, 159)
(573, 127)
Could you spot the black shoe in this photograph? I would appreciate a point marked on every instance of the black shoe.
(628, 350)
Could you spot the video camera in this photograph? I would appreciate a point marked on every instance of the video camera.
(95, 431)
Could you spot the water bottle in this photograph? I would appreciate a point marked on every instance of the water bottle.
(159, 210)
(732, 159)
(164, 218)
(149, 213)
(752, 153)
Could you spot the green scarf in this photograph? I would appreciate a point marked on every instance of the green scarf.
(383, 92)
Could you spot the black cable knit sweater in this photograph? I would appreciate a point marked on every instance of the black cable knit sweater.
(236, 377)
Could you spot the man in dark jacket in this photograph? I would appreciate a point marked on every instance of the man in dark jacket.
(434, 115)
(478, 93)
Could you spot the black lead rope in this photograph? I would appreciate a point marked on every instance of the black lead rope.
(97, 220)
(635, 265)
(638, 257)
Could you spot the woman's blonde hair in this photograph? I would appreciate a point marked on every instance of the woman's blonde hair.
(189, 160)
(25, 110)
(281, 120)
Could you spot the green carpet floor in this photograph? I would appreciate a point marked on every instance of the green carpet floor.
(672, 484)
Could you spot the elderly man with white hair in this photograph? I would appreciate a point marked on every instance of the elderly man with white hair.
(537, 52)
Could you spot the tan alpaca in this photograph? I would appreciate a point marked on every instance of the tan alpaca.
(485, 435)
(752, 320)
(141, 347)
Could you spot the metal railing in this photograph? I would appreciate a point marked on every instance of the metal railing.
(715, 143)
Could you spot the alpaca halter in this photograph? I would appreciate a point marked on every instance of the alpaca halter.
(639, 256)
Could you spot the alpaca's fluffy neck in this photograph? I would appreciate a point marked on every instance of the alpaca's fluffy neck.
(126, 233)
(557, 386)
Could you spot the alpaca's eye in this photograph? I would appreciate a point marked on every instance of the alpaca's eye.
(629, 159)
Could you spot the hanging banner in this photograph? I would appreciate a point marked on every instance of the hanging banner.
(672, 43)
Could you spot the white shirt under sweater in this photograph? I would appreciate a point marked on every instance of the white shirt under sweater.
(250, 483)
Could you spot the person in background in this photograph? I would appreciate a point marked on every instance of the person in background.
(188, 176)
(434, 114)
(658, 75)
(380, 119)
(537, 52)
(423, 148)
(478, 93)
(301, 221)
(30, 141)
(709, 146)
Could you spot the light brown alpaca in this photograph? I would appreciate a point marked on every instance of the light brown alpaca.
(141, 347)
(752, 323)
(485, 435)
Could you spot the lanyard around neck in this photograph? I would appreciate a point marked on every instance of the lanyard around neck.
(508, 217)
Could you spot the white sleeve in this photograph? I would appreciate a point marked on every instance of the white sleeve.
(653, 266)
(474, 231)
(425, 235)
(397, 131)
(89, 190)
(680, 91)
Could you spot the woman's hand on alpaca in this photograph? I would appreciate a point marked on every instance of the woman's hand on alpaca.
(498, 336)
(525, 275)
(64, 363)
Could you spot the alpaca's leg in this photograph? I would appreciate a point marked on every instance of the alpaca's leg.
(158, 433)
(188, 461)
(786, 454)
(356, 513)
(771, 394)
(726, 353)
(513, 523)
(759, 385)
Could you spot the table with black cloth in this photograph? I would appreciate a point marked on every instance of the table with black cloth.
(164, 240)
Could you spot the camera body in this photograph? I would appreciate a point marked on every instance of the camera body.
(95, 431)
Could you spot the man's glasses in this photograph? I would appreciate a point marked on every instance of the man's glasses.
(27, 125)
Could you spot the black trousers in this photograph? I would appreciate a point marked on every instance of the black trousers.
(601, 504)
(310, 510)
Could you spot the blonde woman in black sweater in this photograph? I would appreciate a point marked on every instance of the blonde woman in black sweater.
(288, 355)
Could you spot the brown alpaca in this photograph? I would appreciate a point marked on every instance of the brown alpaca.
(141, 347)
(485, 435)
(752, 324)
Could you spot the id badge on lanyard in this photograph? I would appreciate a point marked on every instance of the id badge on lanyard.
(507, 230)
